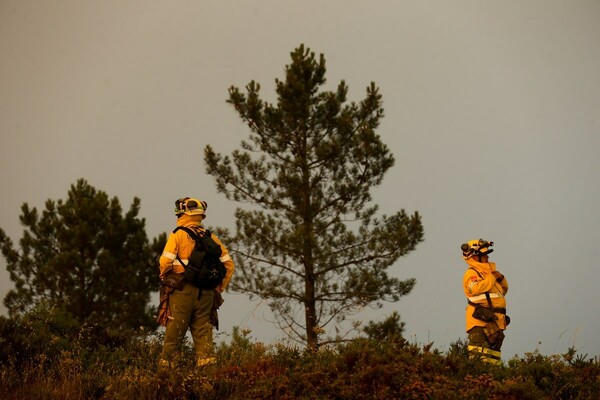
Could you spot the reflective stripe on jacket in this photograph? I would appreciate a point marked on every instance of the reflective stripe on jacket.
(477, 299)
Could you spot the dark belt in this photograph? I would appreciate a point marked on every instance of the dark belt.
(496, 310)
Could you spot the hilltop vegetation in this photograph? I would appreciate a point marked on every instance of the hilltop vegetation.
(43, 355)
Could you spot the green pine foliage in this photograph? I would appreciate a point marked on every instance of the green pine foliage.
(389, 328)
(85, 256)
(311, 245)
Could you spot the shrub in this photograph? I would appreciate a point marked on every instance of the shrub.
(44, 355)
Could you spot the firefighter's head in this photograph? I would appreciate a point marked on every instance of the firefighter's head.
(189, 206)
(478, 247)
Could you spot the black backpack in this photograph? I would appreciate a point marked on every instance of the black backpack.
(204, 269)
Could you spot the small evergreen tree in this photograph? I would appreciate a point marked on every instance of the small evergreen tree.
(316, 247)
(389, 328)
(86, 256)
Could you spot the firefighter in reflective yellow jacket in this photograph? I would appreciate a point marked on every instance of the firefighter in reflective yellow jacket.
(184, 305)
(485, 288)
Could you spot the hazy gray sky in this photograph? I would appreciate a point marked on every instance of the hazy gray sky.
(492, 112)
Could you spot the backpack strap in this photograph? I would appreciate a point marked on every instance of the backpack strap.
(194, 235)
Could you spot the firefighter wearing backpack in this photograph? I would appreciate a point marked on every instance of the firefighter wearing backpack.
(183, 305)
(485, 288)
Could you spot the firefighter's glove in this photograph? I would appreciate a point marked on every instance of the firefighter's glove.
(499, 277)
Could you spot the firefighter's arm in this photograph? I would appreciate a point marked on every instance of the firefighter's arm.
(168, 255)
(229, 265)
(501, 280)
(504, 285)
(474, 285)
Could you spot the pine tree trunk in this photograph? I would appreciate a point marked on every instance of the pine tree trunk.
(310, 312)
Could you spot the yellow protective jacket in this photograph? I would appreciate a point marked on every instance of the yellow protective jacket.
(181, 245)
(475, 288)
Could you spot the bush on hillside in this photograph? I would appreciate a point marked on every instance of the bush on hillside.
(45, 355)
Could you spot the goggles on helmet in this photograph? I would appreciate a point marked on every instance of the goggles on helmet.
(476, 247)
(189, 206)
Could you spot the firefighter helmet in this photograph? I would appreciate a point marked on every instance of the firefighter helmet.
(189, 206)
(476, 247)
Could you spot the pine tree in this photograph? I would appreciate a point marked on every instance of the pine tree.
(86, 257)
(311, 244)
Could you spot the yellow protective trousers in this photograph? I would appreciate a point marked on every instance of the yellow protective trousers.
(190, 308)
(486, 355)
(481, 347)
